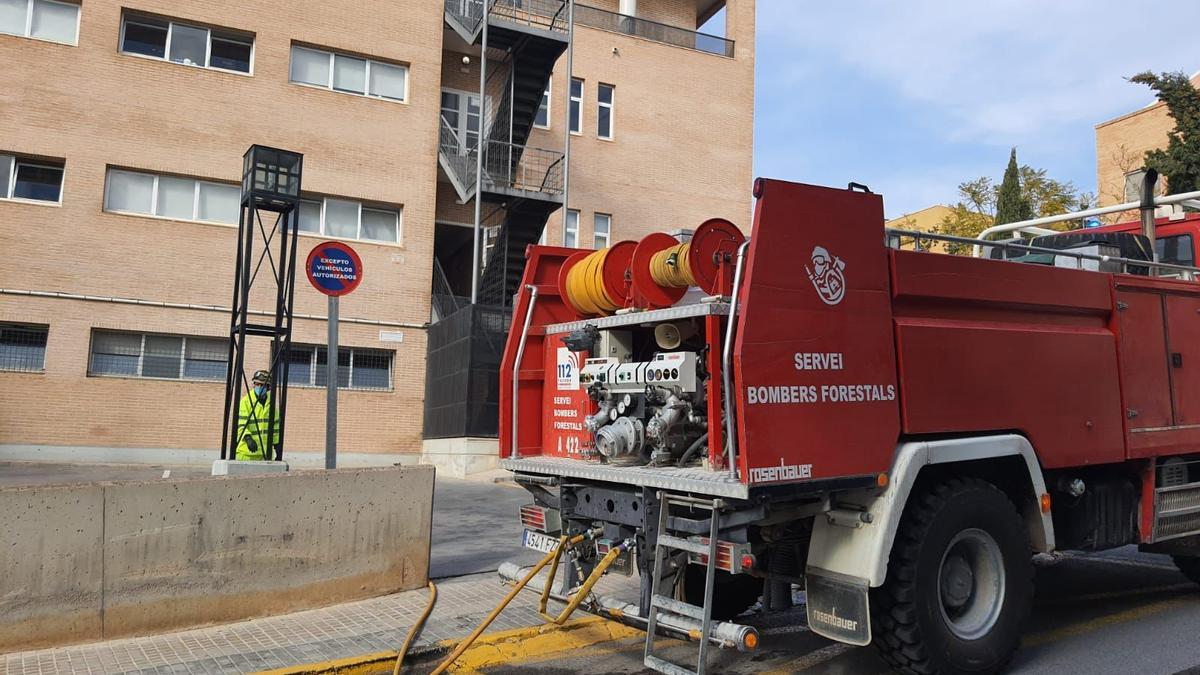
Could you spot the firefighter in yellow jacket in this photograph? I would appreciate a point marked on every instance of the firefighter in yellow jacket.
(254, 413)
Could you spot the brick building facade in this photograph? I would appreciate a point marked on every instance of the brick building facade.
(1121, 145)
(120, 150)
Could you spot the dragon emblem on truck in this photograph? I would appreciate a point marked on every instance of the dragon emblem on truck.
(827, 275)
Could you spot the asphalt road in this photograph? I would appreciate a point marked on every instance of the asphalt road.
(1117, 612)
(476, 527)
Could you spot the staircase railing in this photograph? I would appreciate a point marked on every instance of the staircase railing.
(469, 13)
(549, 15)
(523, 168)
(458, 158)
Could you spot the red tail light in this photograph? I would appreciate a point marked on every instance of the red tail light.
(731, 557)
(541, 519)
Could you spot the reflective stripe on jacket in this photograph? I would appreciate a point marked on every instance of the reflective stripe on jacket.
(252, 424)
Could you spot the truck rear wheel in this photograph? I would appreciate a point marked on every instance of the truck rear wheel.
(959, 582)
(1189, 565)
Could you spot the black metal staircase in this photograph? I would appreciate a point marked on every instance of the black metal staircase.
(521, 185)
(525, 38)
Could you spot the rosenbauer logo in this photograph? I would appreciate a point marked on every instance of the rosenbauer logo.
(827, 276)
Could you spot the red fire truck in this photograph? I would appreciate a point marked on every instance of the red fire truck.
(896, 432)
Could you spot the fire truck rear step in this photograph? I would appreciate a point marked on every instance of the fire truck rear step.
(661, 603)
(694, 480)
(1176, 511)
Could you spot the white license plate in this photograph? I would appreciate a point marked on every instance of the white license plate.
(538, 541)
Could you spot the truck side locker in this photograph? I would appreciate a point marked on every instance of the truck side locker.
(1183, 358)
(1145, 381)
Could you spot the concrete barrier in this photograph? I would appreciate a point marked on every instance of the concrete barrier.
(107, 560)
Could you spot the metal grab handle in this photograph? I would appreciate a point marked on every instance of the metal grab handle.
(726, 360)
(516, 371)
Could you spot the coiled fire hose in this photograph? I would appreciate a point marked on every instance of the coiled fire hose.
(564, 544)
(672, 267)
(585, 286)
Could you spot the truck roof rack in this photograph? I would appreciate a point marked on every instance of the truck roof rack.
(893, 240)
(1032, 226)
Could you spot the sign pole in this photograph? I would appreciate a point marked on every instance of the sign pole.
(334, 269)
(331, 382)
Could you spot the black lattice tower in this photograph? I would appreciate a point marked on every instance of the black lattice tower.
(270, 184)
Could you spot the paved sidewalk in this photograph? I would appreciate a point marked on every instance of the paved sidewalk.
(339, 631)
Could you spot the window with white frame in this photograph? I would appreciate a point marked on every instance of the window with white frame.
(601, 230)
(41, 19)
(461, 112)
(604, 111)
(349, 219)
(23, 347)
(37, 180)
(189, 45)
(570, 236)
(576, 106)
(542, 120)
(172, 197)
(358, 368)
(170, 357)
(349, 74)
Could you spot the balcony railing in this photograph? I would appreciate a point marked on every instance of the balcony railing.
(550, 15)
(652, 30)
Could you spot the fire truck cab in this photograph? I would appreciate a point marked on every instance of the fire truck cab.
(895, 432)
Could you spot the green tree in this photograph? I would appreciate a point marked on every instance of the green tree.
(965, 221)
(1038, 195)
(1011, 203)
(1180, 161)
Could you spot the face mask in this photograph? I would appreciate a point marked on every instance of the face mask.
(260, 391)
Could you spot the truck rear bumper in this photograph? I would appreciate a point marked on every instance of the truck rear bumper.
(683, 480)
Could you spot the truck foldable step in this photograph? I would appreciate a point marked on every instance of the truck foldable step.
(667, 667)
(678, 607)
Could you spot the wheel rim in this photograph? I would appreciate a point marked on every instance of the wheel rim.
(971, 584)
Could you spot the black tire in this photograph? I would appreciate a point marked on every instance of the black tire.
(732, 593)
(926, 616)
(1189, 565)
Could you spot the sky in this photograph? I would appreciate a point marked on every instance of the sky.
(913, 97)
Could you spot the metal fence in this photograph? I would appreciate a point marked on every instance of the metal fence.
(652, 30)
(462, 374)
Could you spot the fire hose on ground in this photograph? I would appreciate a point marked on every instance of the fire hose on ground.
(553, 556)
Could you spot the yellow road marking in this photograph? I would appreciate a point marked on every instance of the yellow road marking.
(489, 649)
(1086, 627)
(545, 641)
(1113, 595)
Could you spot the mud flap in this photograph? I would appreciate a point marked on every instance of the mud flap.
(838, 606)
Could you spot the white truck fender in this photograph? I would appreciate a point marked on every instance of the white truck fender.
(860, 549)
